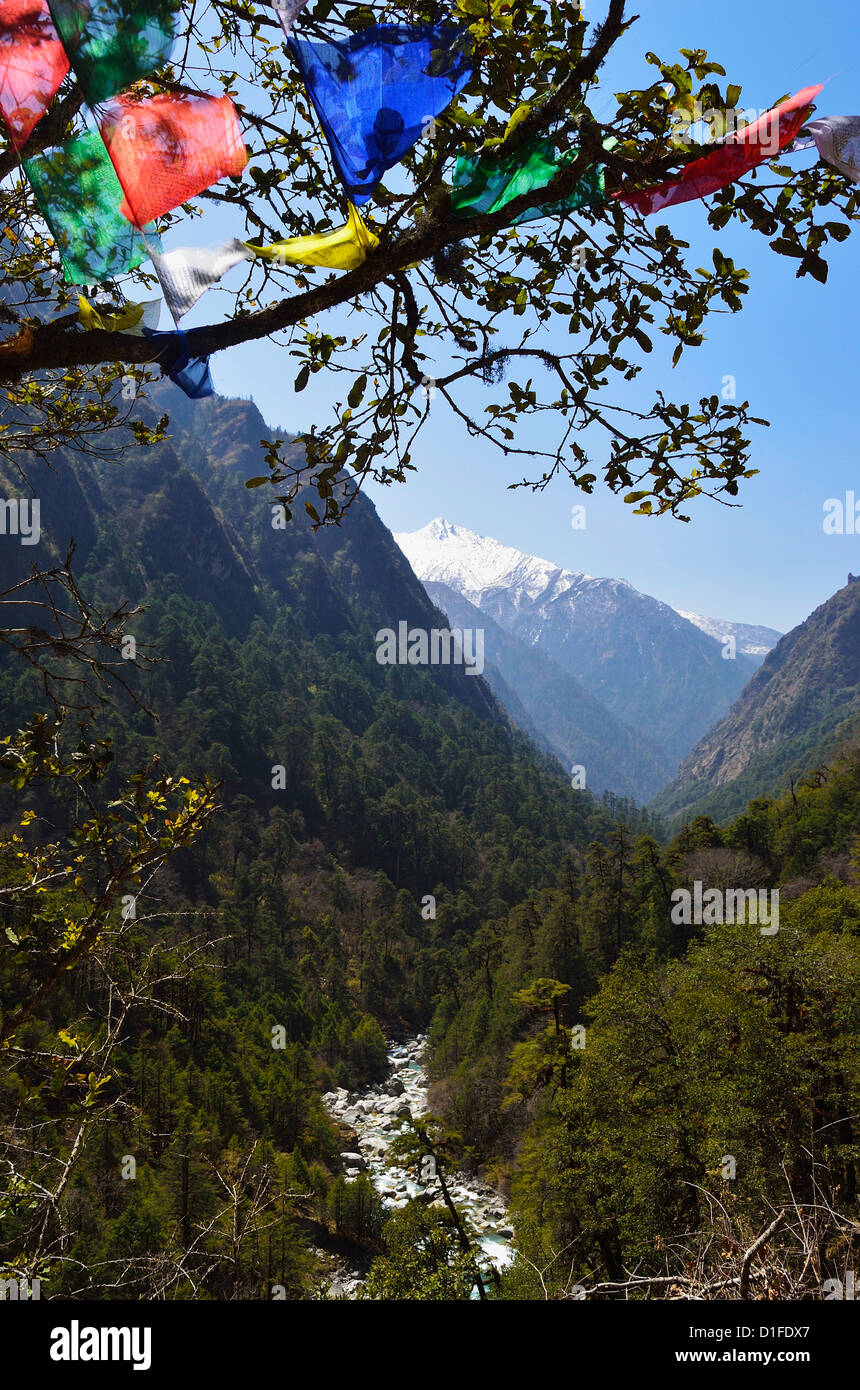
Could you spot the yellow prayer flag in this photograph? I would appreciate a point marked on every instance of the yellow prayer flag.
(343, 249)
(127, 318)
(131, 318)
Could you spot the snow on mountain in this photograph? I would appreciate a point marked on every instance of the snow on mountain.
(652, 667)
(754, 641)
(469, 563)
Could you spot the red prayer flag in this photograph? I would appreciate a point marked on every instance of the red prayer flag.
(734, 157)
(33, 63)
(166, 149)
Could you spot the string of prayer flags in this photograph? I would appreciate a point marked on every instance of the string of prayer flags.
(190, 374)
(188, 272)
(345, 248)
(483, 184)
(131, 318)
(79, 196)
(837, 139)
(33, 63)
(168, 148)
(731, 159)
(113, 43)
(288, 12)
(377, 92)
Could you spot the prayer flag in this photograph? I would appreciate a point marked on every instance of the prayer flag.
(343, 249)
(483, 184)
(166, 149)
(111, 44)
(377, 92)
(131, 318)
(33, 63)
(190, 374)
(288, 12)
(80, 196)
(188, 272)
(838, 141)
(731, 159)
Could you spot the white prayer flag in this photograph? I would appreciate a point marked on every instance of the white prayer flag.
(188, 272)
(838, 141)
(288, 12)
(149, 319)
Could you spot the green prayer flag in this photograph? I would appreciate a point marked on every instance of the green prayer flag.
(79, 194)
(483, 184)
(113, 43)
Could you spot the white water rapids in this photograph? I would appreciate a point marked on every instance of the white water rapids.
(377, 1115)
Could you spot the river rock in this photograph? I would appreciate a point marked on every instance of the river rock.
(379, 1113)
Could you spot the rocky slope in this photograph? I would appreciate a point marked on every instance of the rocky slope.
(555, 708)
(799, 705)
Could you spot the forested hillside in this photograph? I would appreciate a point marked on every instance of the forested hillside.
(801, 704)
(228, 880)
(658, 1092)
(350, 792)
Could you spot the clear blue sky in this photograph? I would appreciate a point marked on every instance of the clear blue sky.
(793, 351)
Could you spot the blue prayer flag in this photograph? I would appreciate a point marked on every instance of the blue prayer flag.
(377, 91)
(190, 374)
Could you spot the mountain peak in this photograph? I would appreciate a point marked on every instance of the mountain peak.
(647, 665)
(446, 553)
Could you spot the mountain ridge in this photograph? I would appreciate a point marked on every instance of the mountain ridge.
(798, 707)
(556, 709)
(648, 665)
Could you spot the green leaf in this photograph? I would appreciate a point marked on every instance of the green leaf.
(357, 393)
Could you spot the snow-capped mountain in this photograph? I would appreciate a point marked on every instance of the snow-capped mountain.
(469, 563)
(555, 708)
(650, 666)
(753, 641)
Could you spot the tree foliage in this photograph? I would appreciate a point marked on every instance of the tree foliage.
(498, 325)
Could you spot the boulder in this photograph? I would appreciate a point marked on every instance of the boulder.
(353, 1160)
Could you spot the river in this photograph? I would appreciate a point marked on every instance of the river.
(376, 1115)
